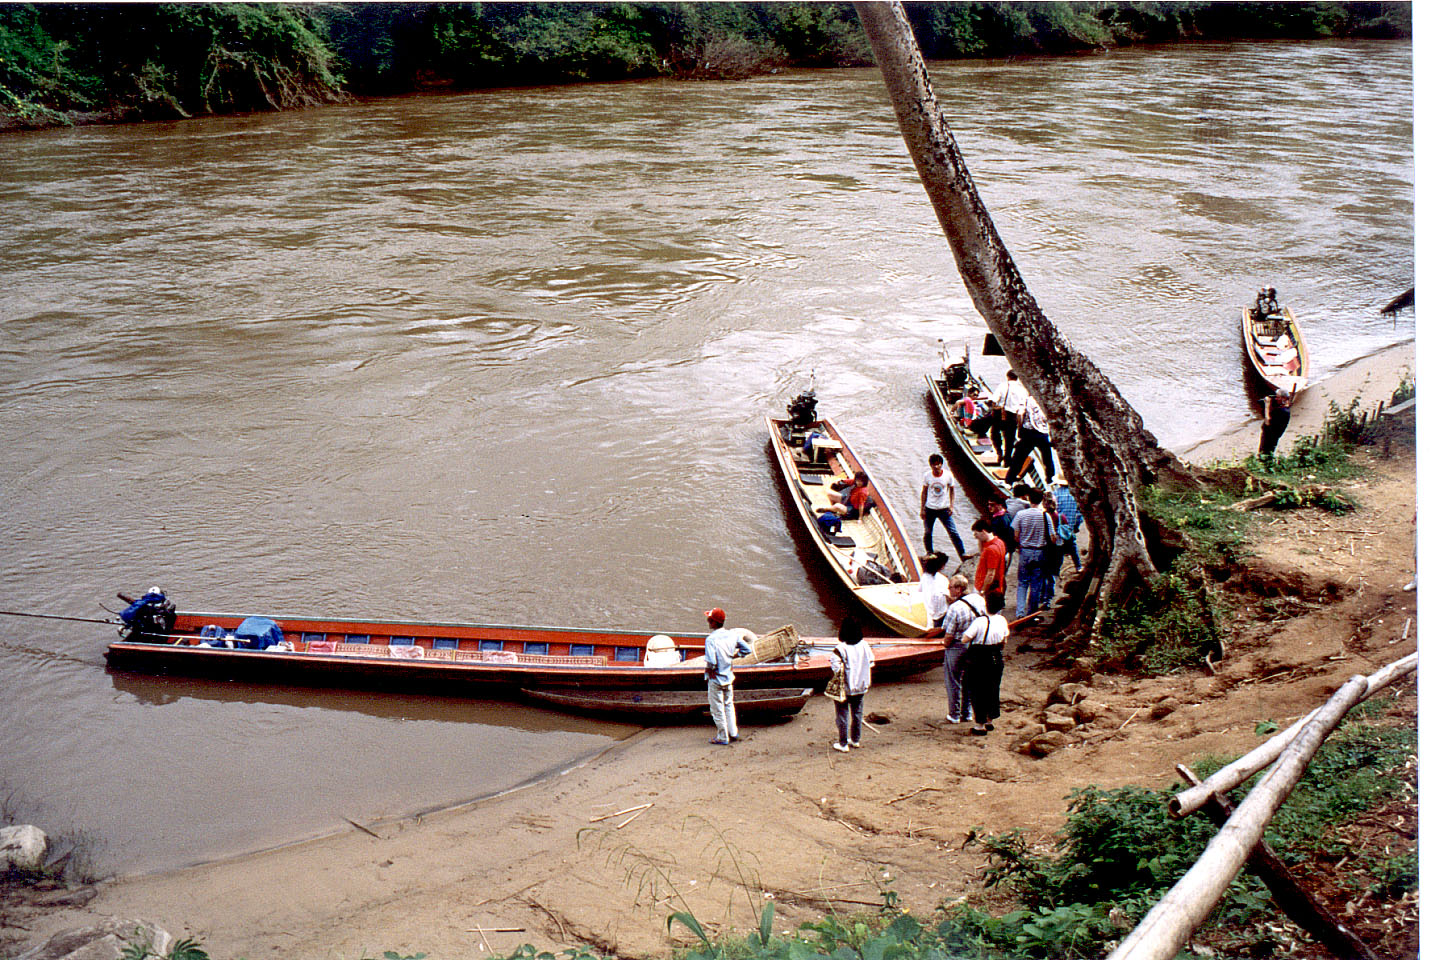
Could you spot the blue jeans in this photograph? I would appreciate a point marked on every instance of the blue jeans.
(957, 697)
(1029, 588)
(852, 709)
(947, 519)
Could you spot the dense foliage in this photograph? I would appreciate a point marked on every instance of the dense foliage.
(61, 62)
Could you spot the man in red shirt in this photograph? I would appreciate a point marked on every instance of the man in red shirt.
(851, 501)
(990, 568)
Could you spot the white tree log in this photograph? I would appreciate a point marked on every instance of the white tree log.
(1231, 776)
(1170, 923)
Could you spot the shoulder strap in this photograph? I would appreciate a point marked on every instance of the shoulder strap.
(966, 601)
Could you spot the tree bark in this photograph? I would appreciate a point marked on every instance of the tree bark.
(1101, 441)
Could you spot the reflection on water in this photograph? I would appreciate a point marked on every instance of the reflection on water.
(503, 357)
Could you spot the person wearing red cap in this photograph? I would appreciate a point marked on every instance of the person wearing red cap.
(721, 648)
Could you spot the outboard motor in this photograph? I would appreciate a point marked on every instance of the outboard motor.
(802, 410)
(150, 619)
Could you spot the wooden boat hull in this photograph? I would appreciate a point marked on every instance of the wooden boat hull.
(977, 453)
(897, 604)
(1275, 348)
(417, 657)
(675, 706)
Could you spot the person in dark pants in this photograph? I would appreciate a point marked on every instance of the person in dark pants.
(1034, 435)
(1277, 418)
(985, 663)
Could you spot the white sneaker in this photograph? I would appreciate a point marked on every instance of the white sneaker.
(950, 719)
(1409, 586)
(854, 744)
(842, 747)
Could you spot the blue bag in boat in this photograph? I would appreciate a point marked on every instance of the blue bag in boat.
(257, 633)
(829, 522)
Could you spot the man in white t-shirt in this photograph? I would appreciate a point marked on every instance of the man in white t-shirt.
(1011, 401)
(937, 502)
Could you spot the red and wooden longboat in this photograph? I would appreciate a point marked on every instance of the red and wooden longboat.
(468, 658)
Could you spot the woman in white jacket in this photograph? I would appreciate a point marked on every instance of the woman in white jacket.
(851, 659)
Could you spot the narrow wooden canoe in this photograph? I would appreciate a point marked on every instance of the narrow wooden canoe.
(978, 454)
(1276, 350)
(871, 555)
(470, 659)
(677, 706)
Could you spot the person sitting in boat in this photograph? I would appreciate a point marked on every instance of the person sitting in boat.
(849, 498)
(971, 408)
(1266, 303)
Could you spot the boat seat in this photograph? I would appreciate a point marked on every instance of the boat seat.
(813, 478)
(838, 540)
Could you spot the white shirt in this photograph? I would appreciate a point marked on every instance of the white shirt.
(932, 588)
(1012, 398)
(1035, 417)
(855, 659)
(987, 631)
(939, 491)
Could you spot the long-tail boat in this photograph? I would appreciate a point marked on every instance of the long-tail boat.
(1276, 349)
(870, 555)
(470, 658)
(982, 461)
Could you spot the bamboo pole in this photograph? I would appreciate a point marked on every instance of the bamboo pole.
(1229, 777)
(1169, 924)
(1287, 892)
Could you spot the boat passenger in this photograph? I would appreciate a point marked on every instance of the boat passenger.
(851, 500)
(1011, 402)
(1266, 303)
(971, 407)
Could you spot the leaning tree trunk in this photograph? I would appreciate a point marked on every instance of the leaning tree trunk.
(1101, 441)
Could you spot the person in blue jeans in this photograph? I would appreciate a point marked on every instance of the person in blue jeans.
(851, 659)
(937, 502)
(1033, 530)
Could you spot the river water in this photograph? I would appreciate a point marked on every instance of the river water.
(504, 357)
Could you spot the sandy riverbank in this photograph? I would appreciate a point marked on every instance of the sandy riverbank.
(781, 815)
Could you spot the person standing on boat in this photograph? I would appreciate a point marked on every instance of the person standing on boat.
(965, 606)
(721, 648)
(852, 658)
(1034, 435)
(937, 502)
(1011, 402)
(1276, 419)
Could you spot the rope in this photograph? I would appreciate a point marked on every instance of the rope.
(52, 616)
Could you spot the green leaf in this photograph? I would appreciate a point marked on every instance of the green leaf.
(767, 921)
